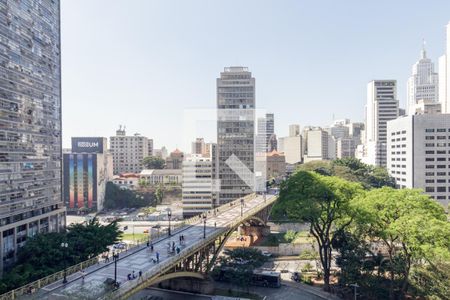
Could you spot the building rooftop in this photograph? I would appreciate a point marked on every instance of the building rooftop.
(150, 172)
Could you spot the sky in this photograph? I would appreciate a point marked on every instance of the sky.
(152, 65)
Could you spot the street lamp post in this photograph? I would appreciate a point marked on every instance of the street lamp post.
(242, 207)
(204, 226)
(64, 247)
(115, 258)
(355, 286)
(169, 215)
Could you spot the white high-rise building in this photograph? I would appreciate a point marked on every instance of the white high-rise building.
(319, 145)
(419, 153)
(381, 107)
(129, 151)
(292, 145)
(197, 185)
(423, 83)
(444, 75)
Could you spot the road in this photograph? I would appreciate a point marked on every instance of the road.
(92, 286)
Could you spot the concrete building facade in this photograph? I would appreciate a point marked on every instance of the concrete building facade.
(30, 124)
(381, 107)
(197, 188)
(292, 145)
(129, 151)
(235, 133)
(419, 154)
(444, 74)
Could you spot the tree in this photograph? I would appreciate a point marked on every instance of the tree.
(153, 162)
(412, 227)
(116, 197)
(323, 202)
(159, 193)
(351, 169)
(42, 254)
(240, 264)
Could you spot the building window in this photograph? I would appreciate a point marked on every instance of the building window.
(429, 166)
(429, 189)
(441, 189)
(429, 130)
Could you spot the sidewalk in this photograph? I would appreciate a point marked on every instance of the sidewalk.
(310, 289)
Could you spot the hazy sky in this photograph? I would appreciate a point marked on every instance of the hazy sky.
(146, 64)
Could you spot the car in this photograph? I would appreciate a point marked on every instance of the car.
(120, 245)
(266, 253)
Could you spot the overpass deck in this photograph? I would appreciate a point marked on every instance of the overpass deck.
(142, 259)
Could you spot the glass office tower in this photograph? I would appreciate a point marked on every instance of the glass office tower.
(30, 123)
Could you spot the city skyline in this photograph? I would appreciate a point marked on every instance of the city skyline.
(165, 62)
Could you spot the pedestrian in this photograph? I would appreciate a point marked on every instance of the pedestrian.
(140, 273)
(129, 276)
(151, 247)
(148, 244)
(157, 257)
(215, 225)
(173, 244)
(107, 258)
(83, 275)
(180, 239)
(133, 276)
(178, 250)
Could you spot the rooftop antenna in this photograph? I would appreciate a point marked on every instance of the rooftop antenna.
(424, 51)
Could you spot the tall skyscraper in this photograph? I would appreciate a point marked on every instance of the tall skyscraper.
(266, 131)
(444, 75)
(30, 124)
(382, 106)
(423, 83)
(235, 133)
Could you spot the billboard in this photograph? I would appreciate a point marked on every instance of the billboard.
(88, 144)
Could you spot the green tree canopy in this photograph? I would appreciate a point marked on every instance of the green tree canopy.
(154, 162)
(351, 169)
(115, 197)
(411, 226)
(43, 255)
(323, 202)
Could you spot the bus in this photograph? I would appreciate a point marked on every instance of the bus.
(266, 278)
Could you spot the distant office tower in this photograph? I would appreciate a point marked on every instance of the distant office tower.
(197, 185)
(381, 107)
(128, 151)
(294, 130)
(345, 147)
(199, 146)
(266, 129)
(235, 132)
(423, 83)
(273, 143)
(150, 147)
(86, 168)
(355, 130)
(292, 146)
(444, 75)
(30, 124)
(340, 129)
(175, 159)
(319, 144)
(419, 153)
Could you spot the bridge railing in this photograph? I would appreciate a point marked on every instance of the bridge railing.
(162, 267)
(36, 285)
